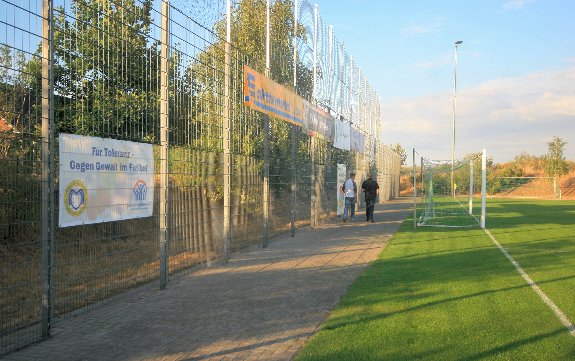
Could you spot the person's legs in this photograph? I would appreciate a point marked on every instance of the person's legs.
(367, 209)
(370, 208)
(347, 203)
(352, 207)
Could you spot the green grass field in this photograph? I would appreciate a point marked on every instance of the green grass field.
(449, 212)
(450, 294)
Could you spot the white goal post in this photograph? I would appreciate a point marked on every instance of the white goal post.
(444, 191)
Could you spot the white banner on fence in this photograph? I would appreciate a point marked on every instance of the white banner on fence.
(341, 138)
(357, 140)
(341, 172)
(103, 180)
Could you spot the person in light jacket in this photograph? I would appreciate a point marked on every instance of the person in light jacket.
(349, 189)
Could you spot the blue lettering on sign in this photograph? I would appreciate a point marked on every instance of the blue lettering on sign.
(268, 101)
(278, 112)
(81, 166)
(269, 98)
(100, 152)
(251, 84)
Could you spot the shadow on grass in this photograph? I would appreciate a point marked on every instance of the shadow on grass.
(425, 254)
(497, 351)
(529, 212)
(332, 325)
(419, 277)
(395, 356)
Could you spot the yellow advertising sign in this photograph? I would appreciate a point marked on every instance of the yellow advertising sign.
(263, 94)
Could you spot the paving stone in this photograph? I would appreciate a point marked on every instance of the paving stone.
(263, 305)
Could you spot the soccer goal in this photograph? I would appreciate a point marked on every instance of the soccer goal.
(450, 194)
(525, 187)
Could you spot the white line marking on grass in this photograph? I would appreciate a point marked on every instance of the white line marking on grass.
(560, 315)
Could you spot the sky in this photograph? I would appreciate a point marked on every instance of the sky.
(515, 71)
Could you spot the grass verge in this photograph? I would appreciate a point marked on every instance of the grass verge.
(448, 294)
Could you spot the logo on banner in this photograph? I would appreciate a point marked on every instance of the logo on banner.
(76, 197)
(140, 190)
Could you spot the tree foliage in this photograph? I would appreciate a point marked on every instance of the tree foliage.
(401, 151)
(20, 84)
(106, 74)
(556, 165)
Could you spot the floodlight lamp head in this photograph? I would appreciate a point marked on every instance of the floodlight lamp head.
(458, 42)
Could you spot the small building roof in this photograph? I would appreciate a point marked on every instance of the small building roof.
(4, 126)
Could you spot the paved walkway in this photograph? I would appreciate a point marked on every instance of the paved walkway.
(263, 306)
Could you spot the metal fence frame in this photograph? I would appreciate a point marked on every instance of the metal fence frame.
(218, 189)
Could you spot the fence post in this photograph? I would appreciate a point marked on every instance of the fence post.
(266, 170)
(556, 193)
(266, 184)
(293, 178)
(47, 220)
(359, 111)
(312, 183)
(164, 123)
(350, 93)
(293, 134)
(315, 96)
(227, 139)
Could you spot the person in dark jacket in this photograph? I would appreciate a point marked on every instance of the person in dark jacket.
(370, 188)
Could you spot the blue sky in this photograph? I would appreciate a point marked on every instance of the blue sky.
(515, 71)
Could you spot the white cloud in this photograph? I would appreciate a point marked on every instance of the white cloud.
(442, 61)
(506, 116)
(431, 27)
(447, 59)
(515, 4)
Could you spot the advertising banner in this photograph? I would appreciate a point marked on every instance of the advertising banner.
(103, 180)
(342, 136)
(316, 121)
(264, 95)
(341, 172)
(357, 140)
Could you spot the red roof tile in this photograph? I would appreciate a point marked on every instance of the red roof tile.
(5, 127)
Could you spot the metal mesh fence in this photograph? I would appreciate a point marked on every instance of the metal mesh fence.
(20, 174)
(95, 69)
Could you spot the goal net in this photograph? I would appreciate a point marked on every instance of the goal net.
(450, 195)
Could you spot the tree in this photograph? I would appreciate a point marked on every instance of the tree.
(106, 69)
(531, 165)
(20, 82)
(248, 34)
(401, 151)
(555, 161)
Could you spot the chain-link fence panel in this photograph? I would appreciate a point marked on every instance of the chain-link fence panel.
(169, 76)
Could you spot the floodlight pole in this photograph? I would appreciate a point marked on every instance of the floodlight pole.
(457, 43)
